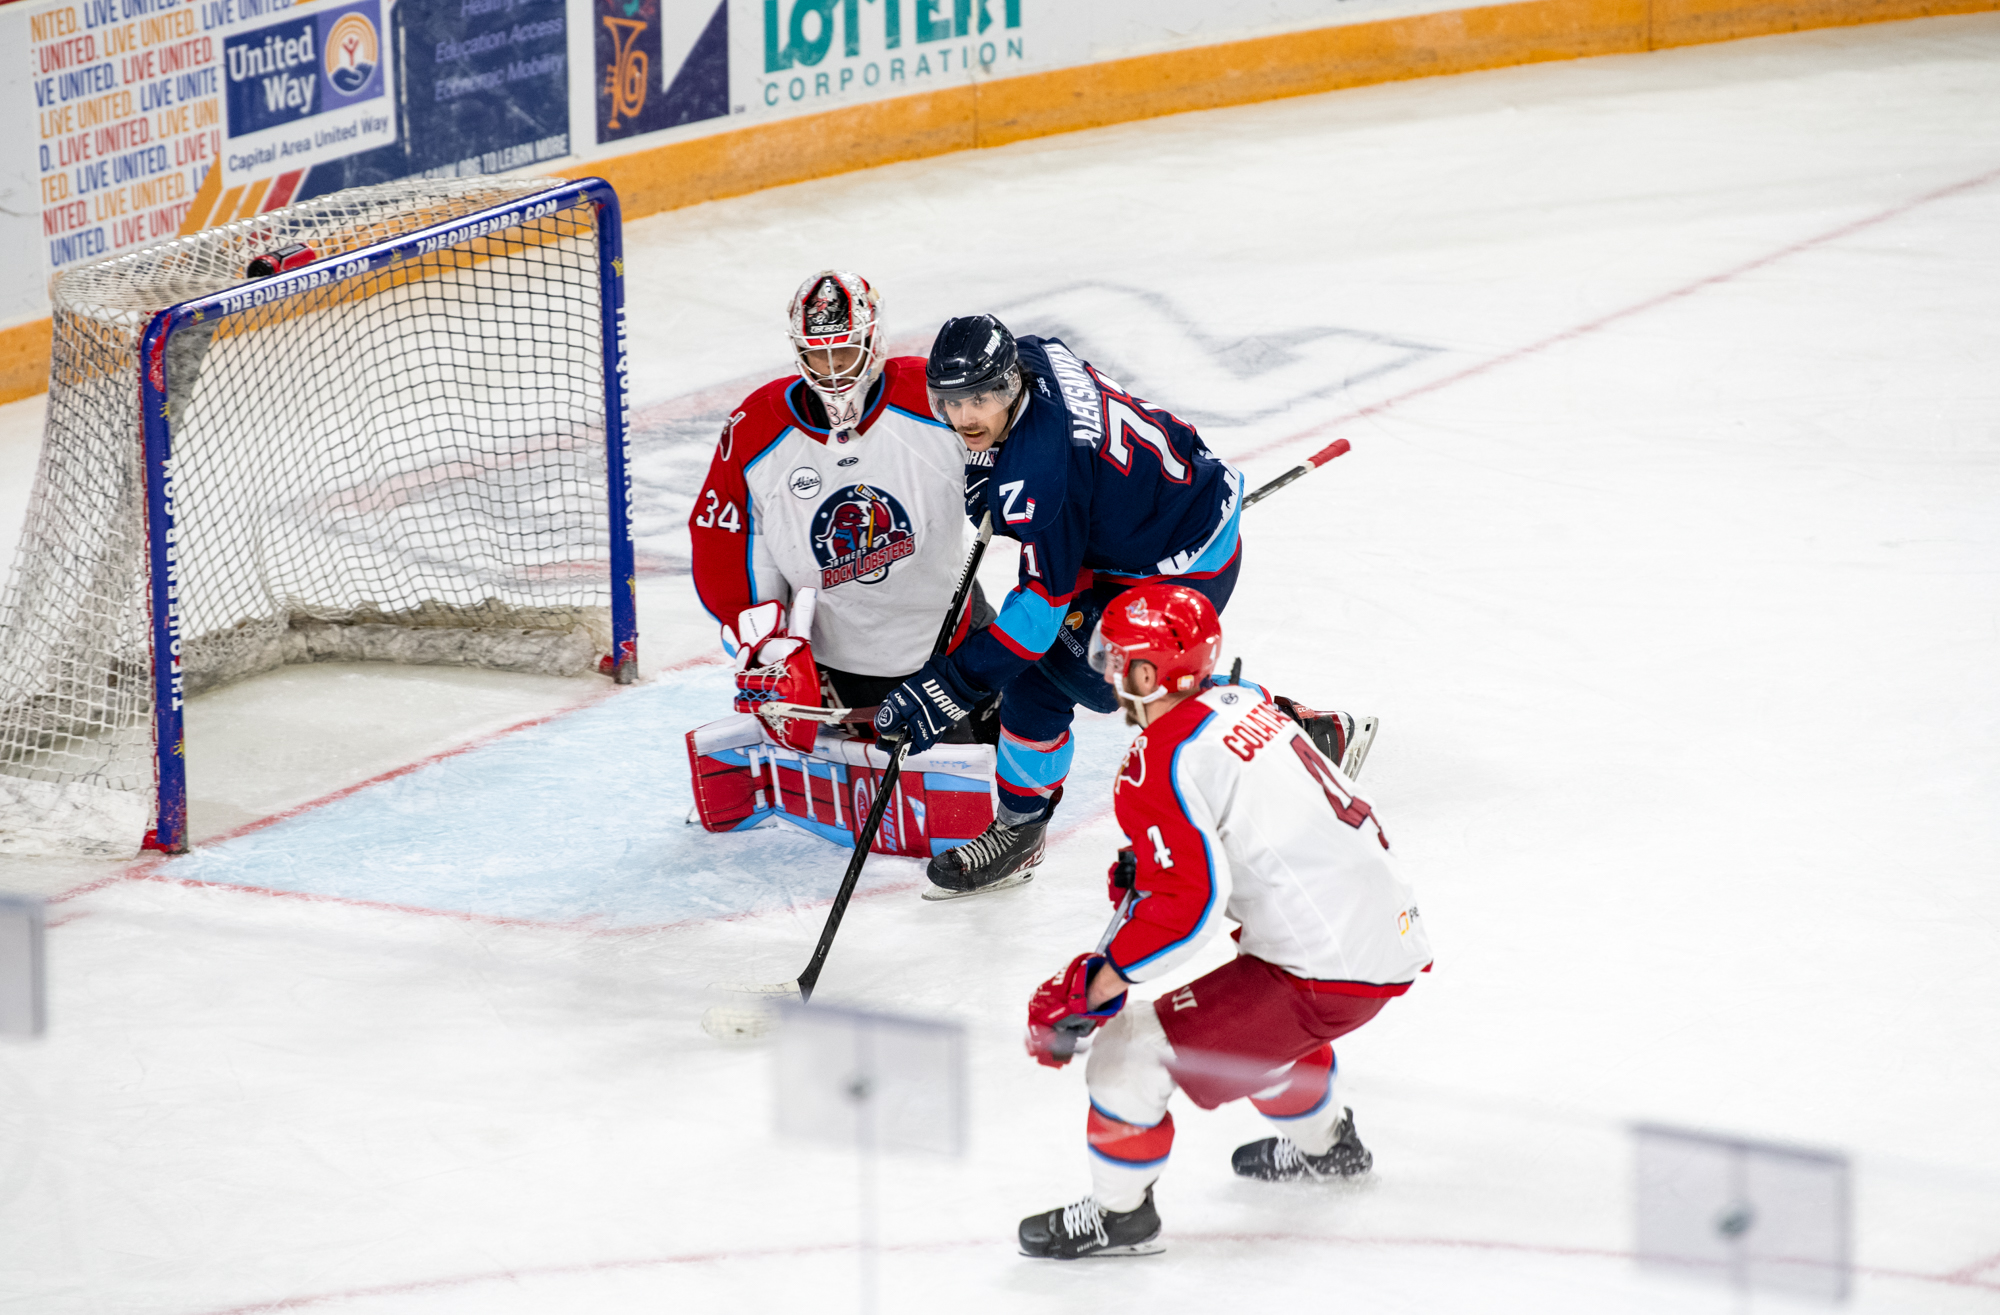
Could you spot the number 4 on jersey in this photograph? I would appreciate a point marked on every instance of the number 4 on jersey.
(1346, 807)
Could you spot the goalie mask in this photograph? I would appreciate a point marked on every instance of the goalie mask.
(1169, 625)
(835, 334)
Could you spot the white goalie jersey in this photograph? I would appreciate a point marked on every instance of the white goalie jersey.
(875, 521)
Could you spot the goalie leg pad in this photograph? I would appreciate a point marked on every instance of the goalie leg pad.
(729, 792)
(943, 797)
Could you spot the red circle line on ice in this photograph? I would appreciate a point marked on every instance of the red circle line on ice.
(1966, 1277)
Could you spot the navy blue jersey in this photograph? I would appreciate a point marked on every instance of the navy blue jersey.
(1092, 481)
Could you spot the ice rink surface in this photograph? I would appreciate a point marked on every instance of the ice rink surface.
(1667, 553)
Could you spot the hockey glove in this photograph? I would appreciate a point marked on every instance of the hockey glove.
(781, 670)
(976, 479)
(926, 705)
(1059, 1015)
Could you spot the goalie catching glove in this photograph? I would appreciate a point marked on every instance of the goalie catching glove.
(1060, 1015)
(774, 666)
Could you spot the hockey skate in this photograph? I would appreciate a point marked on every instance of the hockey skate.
(999, 857)
(1277, 1160)
(1088, 1229)
(1342, 737)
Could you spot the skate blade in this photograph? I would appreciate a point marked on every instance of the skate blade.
(1152, 1247)
(1357, 751)
(1005, 883)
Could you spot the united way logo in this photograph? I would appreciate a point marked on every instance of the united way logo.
(858, 533)
(352, 52)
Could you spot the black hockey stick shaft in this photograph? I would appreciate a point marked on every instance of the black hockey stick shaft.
(885, 790)
(1336, 448)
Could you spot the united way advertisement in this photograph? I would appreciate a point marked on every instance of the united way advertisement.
(305, 90)
(154, 117)
(151, 114)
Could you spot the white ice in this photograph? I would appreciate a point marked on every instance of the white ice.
(1681, 624)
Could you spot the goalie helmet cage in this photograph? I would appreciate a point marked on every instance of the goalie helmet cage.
(410, 449)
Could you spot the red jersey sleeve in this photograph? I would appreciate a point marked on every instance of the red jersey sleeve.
(723, 525)
(1183, 877)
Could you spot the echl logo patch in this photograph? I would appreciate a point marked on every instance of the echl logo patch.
(857, 533)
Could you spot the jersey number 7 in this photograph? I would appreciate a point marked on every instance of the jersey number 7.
(1345, 806)
(1125, 424)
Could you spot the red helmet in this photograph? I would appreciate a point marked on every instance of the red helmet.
(1169, 625)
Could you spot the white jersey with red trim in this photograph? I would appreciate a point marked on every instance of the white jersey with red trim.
(876, 522)
(1231, 812)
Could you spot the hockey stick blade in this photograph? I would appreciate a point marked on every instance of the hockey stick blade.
(727, 1024)
(754, 1016)
(786, 990)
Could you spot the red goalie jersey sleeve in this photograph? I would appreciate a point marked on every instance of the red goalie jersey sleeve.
(730, 573)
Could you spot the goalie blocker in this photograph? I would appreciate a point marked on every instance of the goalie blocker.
(944, 796)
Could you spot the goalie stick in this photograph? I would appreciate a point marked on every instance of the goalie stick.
(725, 1022)
(780, 712)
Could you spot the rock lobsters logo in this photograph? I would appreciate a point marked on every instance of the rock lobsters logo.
(857, 533)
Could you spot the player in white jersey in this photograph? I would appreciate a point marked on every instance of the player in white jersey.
(837, 479)
(1229, 812)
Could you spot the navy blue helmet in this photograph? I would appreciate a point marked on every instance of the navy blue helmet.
(973, 354)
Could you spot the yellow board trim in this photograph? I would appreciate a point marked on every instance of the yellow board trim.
(1118, 91)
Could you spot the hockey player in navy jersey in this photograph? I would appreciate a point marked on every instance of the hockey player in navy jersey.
(1103, 491)
(1230, 813)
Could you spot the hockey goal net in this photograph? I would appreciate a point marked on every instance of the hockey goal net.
(408, 448)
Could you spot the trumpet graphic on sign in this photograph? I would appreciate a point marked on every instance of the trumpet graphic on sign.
(625, 80)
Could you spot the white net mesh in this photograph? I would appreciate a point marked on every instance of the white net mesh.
(404, 466)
